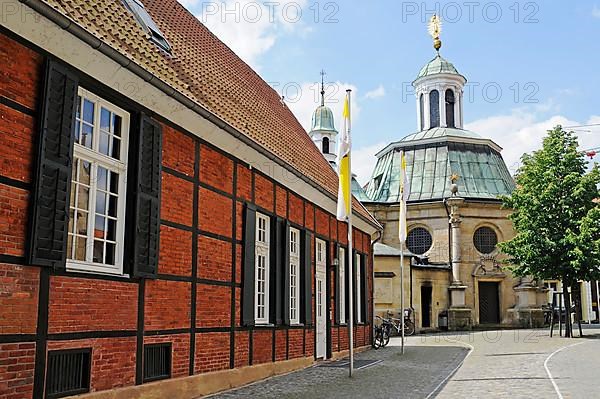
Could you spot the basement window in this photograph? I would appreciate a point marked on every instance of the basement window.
(157, 362)
(68, 372)
(144, 19)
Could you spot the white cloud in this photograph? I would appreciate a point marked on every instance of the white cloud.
(304, 98)
(363, 161)
(377, 93)
(596, 12)
(189, 4)
(522, 132)
(250, 28)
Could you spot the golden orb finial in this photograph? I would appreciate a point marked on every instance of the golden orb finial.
(435, 29)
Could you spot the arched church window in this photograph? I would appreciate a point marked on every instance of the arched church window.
(485, 240)
(422, 110)
(434, 108)
(419, 241)
(450, 108)
(325, 145)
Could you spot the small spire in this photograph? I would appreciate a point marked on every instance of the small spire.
(435, 29)
(323, 87)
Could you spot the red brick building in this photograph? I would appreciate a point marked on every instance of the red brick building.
(163, 216)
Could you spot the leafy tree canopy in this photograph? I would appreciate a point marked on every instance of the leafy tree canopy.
(556, 213)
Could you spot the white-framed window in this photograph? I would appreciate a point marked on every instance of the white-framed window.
(342, 285)
(294, 275)
(98, 186)
(358, 290)
(321, 263)
(321, 253)
(261, 270)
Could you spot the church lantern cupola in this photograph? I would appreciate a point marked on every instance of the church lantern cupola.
(439, 89)
(323, 132)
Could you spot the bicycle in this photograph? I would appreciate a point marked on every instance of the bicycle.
(395, 324)
(381, 335)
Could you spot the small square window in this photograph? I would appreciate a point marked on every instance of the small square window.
(68, 372)
(157, 362)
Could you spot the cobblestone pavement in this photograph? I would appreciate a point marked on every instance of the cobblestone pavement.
(492, 364)
(412, 375)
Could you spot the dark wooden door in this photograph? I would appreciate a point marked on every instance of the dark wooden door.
(489, 304)
(426, 306)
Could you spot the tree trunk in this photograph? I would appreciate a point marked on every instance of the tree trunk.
(567, 303)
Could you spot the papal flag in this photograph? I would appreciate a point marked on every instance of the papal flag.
(404, 194)
(344, 207)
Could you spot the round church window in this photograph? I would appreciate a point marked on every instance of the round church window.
(485, 240)
(419, 241)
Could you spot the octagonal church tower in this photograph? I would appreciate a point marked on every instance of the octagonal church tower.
(453, 271)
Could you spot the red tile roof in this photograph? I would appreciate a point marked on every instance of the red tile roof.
(204, 69)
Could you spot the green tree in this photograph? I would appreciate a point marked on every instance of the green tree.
(556, 215)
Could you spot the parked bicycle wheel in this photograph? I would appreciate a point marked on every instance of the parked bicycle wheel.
(378, 337)
(387, 332)
(409, 328)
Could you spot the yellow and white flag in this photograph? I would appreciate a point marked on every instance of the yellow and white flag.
(344, 208)
(404, 194)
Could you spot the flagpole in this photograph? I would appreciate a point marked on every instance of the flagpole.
(351, 257)
(402, 230)
(402, 292)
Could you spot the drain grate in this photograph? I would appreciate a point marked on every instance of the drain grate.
(358, 364)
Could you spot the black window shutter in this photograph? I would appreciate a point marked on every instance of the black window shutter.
(52, 188)
(285, 242)
(277, 270)
(307, 278)
(249, 261)
(147, 210)
(355, 287)
(365, 288)
(337, 285)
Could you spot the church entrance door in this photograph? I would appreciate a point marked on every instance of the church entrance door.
(489, 303)
(426, 306)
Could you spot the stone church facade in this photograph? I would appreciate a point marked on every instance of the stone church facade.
(453, 270)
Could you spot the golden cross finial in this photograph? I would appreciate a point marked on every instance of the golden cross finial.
(435, 29)
(454, 178)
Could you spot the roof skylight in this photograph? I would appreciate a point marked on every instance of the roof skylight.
(144, 19)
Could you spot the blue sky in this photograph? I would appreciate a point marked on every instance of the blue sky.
(530, 65)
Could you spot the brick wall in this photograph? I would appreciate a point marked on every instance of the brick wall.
(16, 141)
(178, 151)
(214, 306)
(19, 289)
(78, 304)
(212, 352)
(94, 306)
(167, 305)
(13, 220)
(216, 169)
(17, 362)
(214, 259)
(21, 73)
(262, 348)
(176, 199)
(175, 256)
(215, 212)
